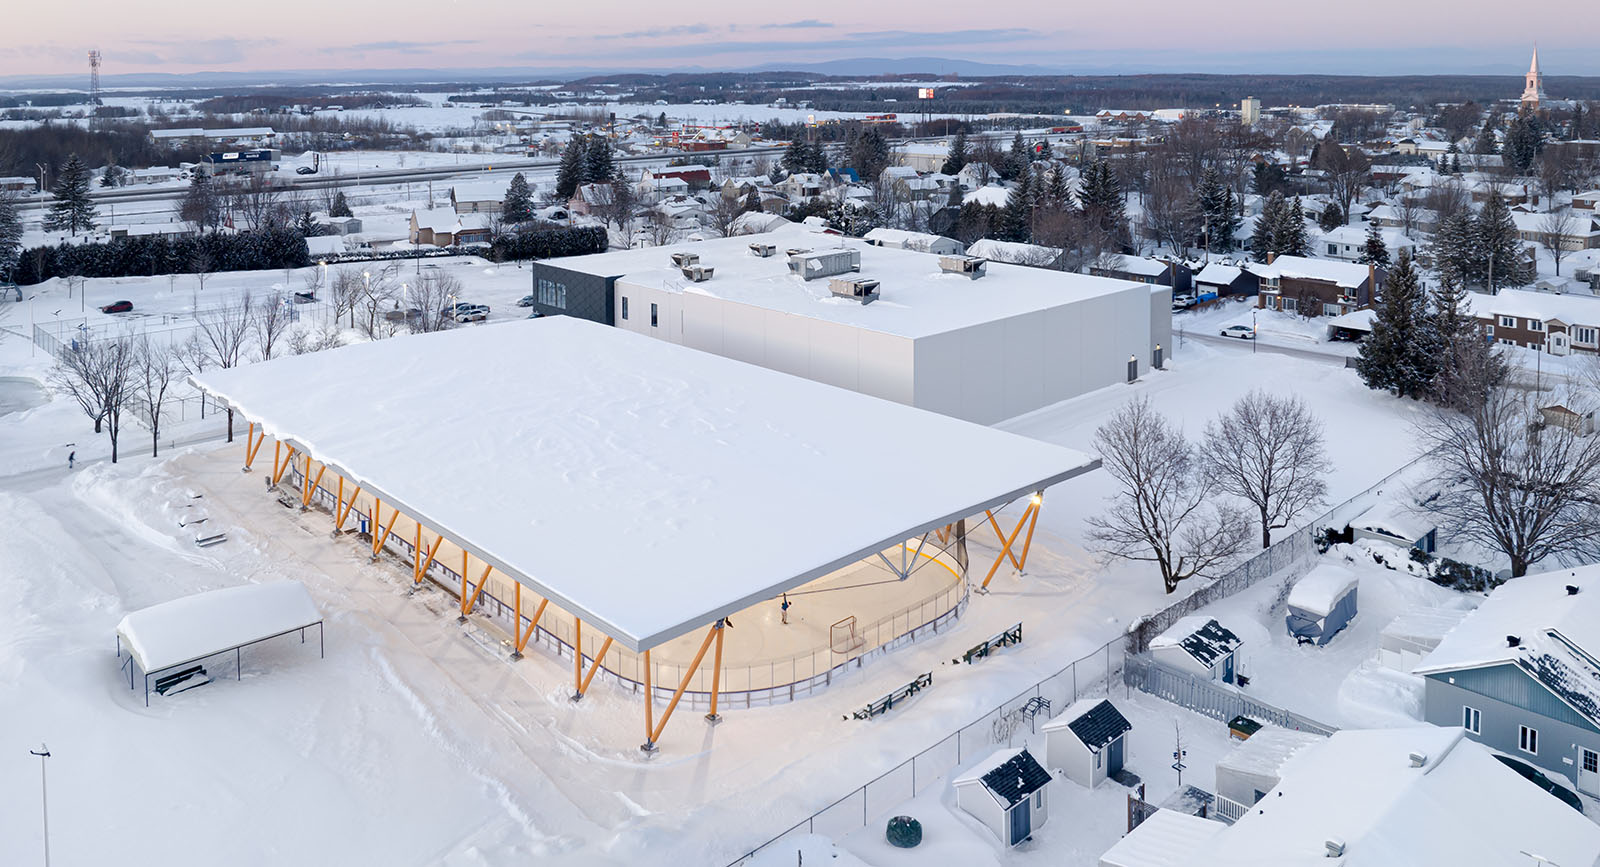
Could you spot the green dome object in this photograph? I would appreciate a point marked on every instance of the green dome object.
(904, 832)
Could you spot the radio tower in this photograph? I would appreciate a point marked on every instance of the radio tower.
(94, 76)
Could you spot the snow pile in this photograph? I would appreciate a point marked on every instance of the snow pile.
(194, 627)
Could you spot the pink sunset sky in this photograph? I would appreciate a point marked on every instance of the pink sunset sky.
(1353, 37)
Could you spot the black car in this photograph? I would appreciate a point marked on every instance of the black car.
(117, 307)
(305, 170)
(1537, 777)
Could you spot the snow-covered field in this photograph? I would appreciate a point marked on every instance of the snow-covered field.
(416, 741)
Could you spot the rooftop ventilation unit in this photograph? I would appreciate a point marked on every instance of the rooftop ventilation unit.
(859, 288)
(763, 250)
(1418, 759)
(1572, 590)
(825, 263)
(684, 260)
(1335, 847)
(698, 273)
(969, 266)
(1513, 641)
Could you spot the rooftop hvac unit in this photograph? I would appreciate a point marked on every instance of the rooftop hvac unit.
(684, 260)
(763, 250)
(825, 263)
(859, 288)
(1335, 847)
(698, 273)
(970, 266)
(795, 251)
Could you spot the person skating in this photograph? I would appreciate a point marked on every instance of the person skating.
(72, 458)
(785, 609)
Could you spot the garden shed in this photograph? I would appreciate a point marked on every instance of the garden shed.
(1006, 792)
(1086, 741)
(1414, 634)
(1321, 604)
(1197, 645)
(1395, 524)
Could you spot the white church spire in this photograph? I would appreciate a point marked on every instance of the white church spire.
(1533, 86)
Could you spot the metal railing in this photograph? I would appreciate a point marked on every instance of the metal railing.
(1228, 810)
(1208, 698)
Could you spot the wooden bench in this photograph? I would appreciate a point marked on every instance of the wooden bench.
(1003, 639)
(887, 703)
(205, 541)
(179, 681)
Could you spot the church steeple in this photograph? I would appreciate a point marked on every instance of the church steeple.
(1533, 85)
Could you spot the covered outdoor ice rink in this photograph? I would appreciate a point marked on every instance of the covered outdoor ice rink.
(585, 487)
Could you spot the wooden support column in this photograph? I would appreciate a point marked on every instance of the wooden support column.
(1027, 542)
(716, 674)
(340, 515)
(999, 534)
(520, 637)
(377, 538)
(1005, 551)
(649, 744)
(309, 489)
(688, 675)
(253, 447)
(467, 604)
(583, 685)
(249, 440)
(577, 656)
(277, 474)
(277, 456)
(422, 569)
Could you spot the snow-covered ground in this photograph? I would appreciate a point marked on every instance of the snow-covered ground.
(416, 740)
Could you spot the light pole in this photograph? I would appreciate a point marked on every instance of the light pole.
(1255, 337)
(43, 752)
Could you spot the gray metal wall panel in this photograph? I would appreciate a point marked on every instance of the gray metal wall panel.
(1512, 685)
(1558, 741)
(588, 296)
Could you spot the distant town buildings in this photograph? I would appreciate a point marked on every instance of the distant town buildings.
(1533, 95)
(1249, 111)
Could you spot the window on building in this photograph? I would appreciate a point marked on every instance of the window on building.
(1038, 799)
(1270, 283)
(1528, 740)
(1333, 249)
(1331, 310)
(1097, 760)
(1290, 305)
(552, 294)
(1508, 322)
(1507, 342)
(624, 307)
(1471, 720)
(1591, 762)
(655, 314)
(1535, 325)
(1489, 330)
(1583, 335)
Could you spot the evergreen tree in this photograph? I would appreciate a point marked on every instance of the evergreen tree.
(1100, 195)
(1455, 164)
(72, 209)
(200, 206)
(752, 202)
(1485, 143)
(661, 122)
(1399, 356)
(1264, 238)
(1016, 160)
(870, 154)
(1217, 210)
(114, 176)
(10, 235)
(1054, 193)
(1374, 251)
(518, 205)
(1456, 255)
(1017, 217)
(1331, 217)
(307, 225)
(1503, 261)
(795, 157)
(817, 159)
(341, 207)
(1292, 239)
(599, 168)
(573, 171)
(958, 154)
(1268, 178)
(1467, 361)
(1524, 141)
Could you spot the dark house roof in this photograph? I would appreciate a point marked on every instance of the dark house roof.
(1016, 779)
(1100, 725)
(1210, 642)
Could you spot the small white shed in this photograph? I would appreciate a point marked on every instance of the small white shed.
(1006, 792)
(1395, 524)
(1086, 741)
(1321, 603)
(1414, 634)
(1251, 769)
(1198, 645)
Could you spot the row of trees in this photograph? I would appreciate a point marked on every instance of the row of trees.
(586, 160)
(264, 249)
(1482, 249)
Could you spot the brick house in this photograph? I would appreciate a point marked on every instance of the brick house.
(1557, 324)
(1316, 287)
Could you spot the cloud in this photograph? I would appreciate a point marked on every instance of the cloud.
(221, 50)
(401, 46)
(659, 32)
(798, 25)
(904, 41)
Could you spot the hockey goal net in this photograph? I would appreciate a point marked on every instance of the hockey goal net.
(843, 637)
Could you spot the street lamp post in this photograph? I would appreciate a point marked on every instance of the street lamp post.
(1255, 336)
(43, 752)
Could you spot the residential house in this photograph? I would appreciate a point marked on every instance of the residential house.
(659, 188)
(1197, 645)
(1217, 280)
(1581, 233)
(1588, 201)
(1558, 324)
(1006, 792)
(478, 197)
(1394, 217)
(443, 227)
(592, 199)
(803, 186)
(976, 174)
(1316, 287)
(698, 177)
(1376, 798)
(922, 156)
(1156, 272)
(1348, 243)
(1520, 675)
(922, 242)
(1087, 741)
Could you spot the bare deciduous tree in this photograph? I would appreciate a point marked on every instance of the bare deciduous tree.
(1554, 228)
(155, 367)
(380, 290)
(427, 299)
(1267, 450)
(96, 373)
(220, 340)
(270, 318)
(1515, 483)
(347, 291)
(1163, 512)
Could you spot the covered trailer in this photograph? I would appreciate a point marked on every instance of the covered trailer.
(1321, 604)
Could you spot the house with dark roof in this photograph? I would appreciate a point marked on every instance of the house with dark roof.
(1087, 741)
(1006, 792)
(1197, 645)
(1522, 674)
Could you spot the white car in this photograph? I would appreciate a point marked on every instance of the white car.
(1243, 332)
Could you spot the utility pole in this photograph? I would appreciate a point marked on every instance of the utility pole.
(43, 752)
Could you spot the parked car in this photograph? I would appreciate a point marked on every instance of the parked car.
(1243, 332)
(457, 307)
(472, 313)
(535, 315)
(305, 170)
(306, 297)
(1537, 777)
(117, 307)
(1182, 301)
(525, 301)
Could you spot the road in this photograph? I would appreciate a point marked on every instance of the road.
(1262, 347)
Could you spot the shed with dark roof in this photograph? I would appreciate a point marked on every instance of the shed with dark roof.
(1087, 741)
(1006, 792)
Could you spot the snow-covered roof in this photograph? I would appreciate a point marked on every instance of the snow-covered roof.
(645, 487)
(1218, 274)
(916, 298)
(1558, 635)
(1345, 275)
(1013, 252)
(1570, 308)
(197, 132)
(325, 245)
(1009, 774)
(1424, 625)
(194, 627)
(992, 194)
(1200, 636)
(478, 191)
(1355, 320)
(1140, 266)
(1165, 839)
(1359, 788)
(1579, 225)
(1395, 520)
(1264, 753)
(1095, 722)
(1394, 240)
(1321, 589)
(437, 219)
(922, 242)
